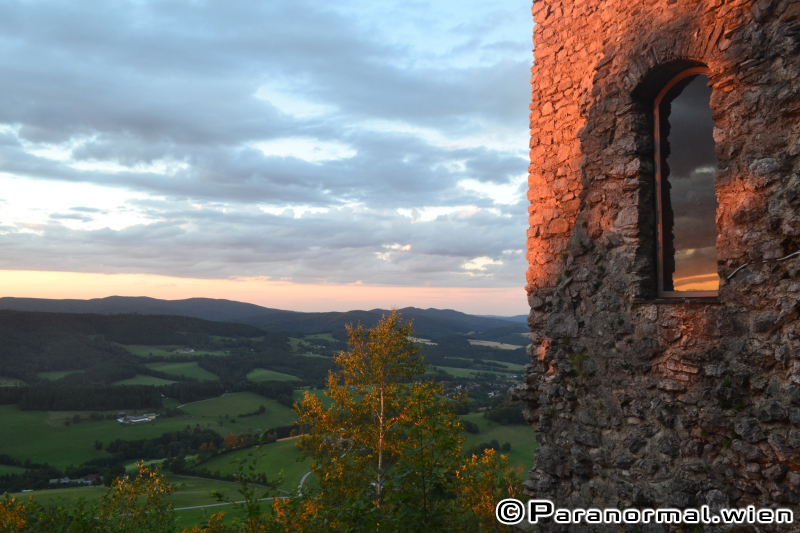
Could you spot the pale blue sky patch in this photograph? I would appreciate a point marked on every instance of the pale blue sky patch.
(307, 149)
(505, 193)
(285, 97)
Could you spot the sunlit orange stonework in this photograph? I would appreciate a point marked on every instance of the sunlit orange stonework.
(641, 400)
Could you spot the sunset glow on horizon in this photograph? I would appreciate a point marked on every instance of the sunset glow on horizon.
(261, 291)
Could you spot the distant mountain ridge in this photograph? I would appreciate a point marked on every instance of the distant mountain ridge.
(206, 308)
(515, 318)
(427, 322)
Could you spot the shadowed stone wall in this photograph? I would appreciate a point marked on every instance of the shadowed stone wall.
(644, 402)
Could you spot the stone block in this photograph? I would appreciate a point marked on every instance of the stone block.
(749, 429)
(747, 451)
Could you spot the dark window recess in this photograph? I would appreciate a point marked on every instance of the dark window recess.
(686, 198)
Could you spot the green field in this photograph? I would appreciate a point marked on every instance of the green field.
(326, 401)
(522, 439)
(296, 344)
(302, 347)
(196, 491)
(215, 410)
(146, 351)
(261, 374)
(191, 492)
(282, 455)
(11, 382)
(188, 369)
(5, 469)
(513, 367)
(467, 372)
(60, 418)
(143, 380)
(53, 376)
(167, 351)
(190, 517)
(510, 367)
(134, 467)
(460, 359)
(322, 337)
(64, 497)
(43, 437)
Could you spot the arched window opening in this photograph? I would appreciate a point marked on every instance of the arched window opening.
(686, 201)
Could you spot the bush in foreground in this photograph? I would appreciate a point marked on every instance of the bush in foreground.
(134, 504)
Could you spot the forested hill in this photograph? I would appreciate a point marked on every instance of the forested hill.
(205, 308)
(31, 343)
(430, 323)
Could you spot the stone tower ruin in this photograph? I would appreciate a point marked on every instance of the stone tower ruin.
(663, 282)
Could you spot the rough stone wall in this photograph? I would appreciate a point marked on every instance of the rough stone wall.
(644, 402)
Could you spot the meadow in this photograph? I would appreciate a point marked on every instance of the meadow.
(191, 492)
(275, 457)
(467, 372)
(492, 344)
(512, 367)
(261, 374)
(303, 347)
(141, 379)
(6, 469)
(168, 351)
(54, 376)
(521, 437)
(225, 410)
(322, 337)
(45, 437)
(325, 399)
(188, 369)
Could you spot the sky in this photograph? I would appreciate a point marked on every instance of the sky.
(312, 156)
(691, 163)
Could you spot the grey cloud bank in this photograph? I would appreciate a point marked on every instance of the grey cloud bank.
(281, 139)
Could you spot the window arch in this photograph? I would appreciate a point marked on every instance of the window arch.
(686, 202)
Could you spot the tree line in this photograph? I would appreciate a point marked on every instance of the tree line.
(44, 342)
(88, 398)
(235, 367)
(80, 397)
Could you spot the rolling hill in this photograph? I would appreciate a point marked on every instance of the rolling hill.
(433, 323)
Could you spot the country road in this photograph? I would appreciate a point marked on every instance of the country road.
(299, 493)
(300, 485)
(218, 504)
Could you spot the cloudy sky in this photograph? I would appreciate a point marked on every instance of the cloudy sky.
(301, 155)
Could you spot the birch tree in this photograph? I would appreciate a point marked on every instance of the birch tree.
(382, 451)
